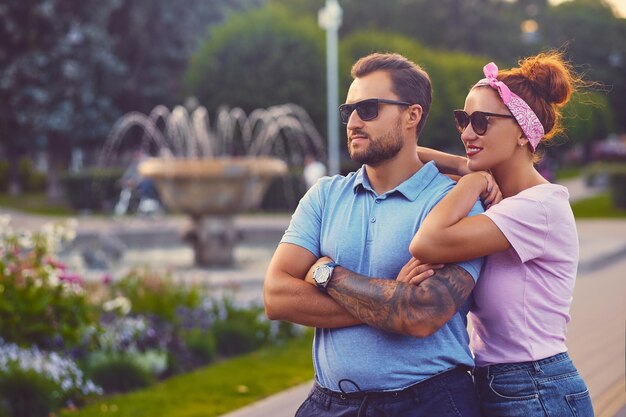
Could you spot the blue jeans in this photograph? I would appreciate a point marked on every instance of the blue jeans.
(550, 387)
(449, 394)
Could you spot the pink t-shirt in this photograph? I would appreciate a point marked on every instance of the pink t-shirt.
(523, 296)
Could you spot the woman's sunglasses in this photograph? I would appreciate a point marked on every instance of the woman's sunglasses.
(478, 119)
(366, 109)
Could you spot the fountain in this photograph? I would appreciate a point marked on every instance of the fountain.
(214, 174)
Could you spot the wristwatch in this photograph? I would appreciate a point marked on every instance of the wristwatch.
(322, 275)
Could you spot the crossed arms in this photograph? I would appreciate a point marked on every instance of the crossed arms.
(391, 305)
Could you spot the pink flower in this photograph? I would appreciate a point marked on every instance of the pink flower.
(71, 278)
(106, 279)
(57, 264)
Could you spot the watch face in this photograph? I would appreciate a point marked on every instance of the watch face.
(322, 274)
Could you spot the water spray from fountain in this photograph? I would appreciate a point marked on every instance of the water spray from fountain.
(212, 174)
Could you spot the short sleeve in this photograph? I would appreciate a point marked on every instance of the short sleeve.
(306, 222)
(524, 222)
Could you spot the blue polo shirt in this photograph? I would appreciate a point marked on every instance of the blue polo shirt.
(344, 218)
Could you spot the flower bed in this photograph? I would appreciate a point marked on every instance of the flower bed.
(64, 340)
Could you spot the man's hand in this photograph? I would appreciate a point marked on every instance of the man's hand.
(414, 271)
(309, 275)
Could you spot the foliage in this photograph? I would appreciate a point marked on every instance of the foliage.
(217, 389)
(158, 37)
(34, 382)
(41, 302)
(284, 192)
(201, 344)
(259, 59)
(149, 326)
(587, 118)
(120, 373)
(29, 178)
(92, 189)
(492, 28)
(240, 330)
(36, 203)
(150, 293)
(614, 175)
(599, 206)
(55, 70)
(571, 23)
(4, 176)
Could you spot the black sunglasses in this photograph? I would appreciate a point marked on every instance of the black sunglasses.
(366, 109)
(478, 119)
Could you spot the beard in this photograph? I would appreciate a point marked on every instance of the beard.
(380, 149)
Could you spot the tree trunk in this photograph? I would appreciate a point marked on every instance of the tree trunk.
(57, 151)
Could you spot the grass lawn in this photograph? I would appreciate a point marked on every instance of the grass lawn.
(597, 207)
(216, 389)
(568, 172)
(35, 203)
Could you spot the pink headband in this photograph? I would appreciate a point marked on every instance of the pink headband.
(525, 116)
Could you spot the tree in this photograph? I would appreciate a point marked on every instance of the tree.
(56, 64)
(156, 39)
(580, 25)
(259, 59)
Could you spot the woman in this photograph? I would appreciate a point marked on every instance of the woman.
(523, 296)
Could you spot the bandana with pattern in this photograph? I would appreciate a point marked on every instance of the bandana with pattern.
(525, 116)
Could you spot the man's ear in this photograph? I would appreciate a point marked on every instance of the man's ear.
(415, 115)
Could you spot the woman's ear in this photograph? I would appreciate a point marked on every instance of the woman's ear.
(522, 140)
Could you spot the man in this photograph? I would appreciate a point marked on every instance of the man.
(381, 344)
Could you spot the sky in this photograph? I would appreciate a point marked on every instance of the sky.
(618, 5)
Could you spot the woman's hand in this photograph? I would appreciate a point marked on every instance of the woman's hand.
(414, 272)
(321, 261)
(490, 193)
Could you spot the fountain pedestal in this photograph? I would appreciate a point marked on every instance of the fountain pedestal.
(212, 191)
(213, 240)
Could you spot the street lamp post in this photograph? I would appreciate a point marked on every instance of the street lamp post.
(329, 18)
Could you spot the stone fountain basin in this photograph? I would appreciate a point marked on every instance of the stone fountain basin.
(215, 186)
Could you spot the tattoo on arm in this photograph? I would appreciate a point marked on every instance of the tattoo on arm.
(400, 307)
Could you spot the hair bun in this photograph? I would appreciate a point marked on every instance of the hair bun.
(550, 75)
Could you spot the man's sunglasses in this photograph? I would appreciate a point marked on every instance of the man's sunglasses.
(366, 109)
(478, 119)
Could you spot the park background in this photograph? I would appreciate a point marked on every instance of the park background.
(69, 69)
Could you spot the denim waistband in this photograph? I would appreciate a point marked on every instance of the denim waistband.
(520, 366)
(411, 390)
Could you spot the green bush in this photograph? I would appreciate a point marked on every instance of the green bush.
(284, 193)
(41, 303)
(241, 330)
(27, 394)
(259, 59)
(29, 178)
(150, 293)
(202, 345)
(4, 179)
(611, 174)
(94, 189)
(120, 373)
(35, 383)
(618, 188)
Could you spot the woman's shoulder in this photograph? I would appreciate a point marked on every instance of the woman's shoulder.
(543, 194)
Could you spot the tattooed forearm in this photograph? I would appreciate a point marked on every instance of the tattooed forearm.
(400, 307)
